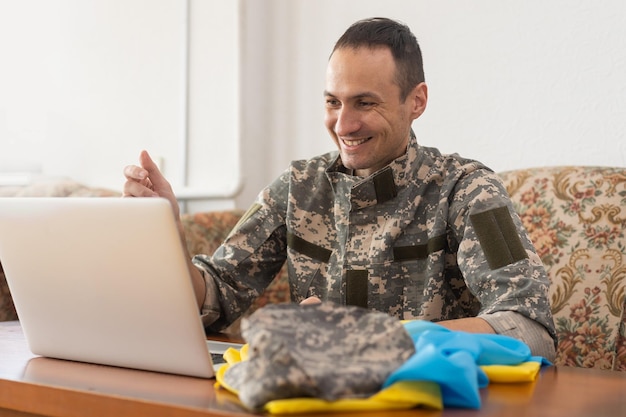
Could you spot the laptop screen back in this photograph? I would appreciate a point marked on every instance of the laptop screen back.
(103, 280)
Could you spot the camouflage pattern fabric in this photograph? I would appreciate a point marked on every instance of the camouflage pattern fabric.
(400, 241)
(323, 351)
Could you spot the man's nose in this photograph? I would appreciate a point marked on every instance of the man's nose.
(348, 121)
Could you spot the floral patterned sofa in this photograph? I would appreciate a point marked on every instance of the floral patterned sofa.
(576, 216)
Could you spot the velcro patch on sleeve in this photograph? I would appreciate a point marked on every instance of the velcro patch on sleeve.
(498, 237)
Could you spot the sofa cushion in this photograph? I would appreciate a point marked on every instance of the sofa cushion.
(57, 188)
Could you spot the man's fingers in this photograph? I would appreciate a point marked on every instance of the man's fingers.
(153, 171)
(133, 188)
(133, 172)
(146, 161)
(310, 300)
(140, 179)
(157, 181)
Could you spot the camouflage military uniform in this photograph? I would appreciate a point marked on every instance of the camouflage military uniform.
(429, 236)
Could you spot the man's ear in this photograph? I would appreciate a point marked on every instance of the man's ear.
(418, 99)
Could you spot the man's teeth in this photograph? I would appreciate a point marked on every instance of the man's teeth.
(355, 142)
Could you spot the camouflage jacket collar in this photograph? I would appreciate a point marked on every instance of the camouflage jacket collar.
(382, 185)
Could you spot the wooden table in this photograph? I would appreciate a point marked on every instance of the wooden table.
(36, 386)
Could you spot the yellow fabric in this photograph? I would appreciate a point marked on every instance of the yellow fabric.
(524, 372)
(219, 379)
(399, 396)
(231, 356)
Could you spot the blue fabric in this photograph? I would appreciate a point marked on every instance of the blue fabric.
(453, 359)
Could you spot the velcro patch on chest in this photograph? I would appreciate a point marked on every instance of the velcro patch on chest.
(307, 248)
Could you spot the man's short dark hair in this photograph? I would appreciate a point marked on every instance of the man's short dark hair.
(384, 32)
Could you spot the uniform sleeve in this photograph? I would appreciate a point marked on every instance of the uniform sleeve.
(532, 333)
(496, 256)
(247, 261)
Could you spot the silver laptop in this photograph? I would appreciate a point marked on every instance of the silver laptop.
(104, 280)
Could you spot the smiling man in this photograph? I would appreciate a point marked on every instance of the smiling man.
(368, 114)
(383, 223)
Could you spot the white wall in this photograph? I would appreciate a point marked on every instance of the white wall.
(513, 83)
(86, 84)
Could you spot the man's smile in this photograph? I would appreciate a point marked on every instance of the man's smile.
(351, 143)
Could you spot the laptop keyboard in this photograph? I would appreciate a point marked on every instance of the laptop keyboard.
(217, 349)
(217, 358)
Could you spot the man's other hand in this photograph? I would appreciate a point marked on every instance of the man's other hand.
(146, 180)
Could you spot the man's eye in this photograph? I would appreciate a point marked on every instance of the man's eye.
(332, 102)
(366, 103)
